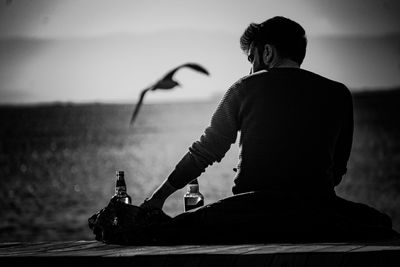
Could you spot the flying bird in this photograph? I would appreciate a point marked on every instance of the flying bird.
(166, 83)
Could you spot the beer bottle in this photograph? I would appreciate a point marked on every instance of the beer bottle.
(120, 189)
(193, 198)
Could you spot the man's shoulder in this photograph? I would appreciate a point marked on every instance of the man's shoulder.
(306, 74)
(330, 86)
(262, 78)
(324, 80)
(250, 79)
(239, 86)
(253, 76)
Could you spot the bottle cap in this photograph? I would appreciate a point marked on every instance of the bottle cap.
(194, 182)
(119, 173)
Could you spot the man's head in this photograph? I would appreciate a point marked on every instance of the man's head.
(276, 38)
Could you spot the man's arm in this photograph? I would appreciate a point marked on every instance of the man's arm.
(211, 147)
(345, 140)
(157, 199)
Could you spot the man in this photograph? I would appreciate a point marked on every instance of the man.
(296, 136)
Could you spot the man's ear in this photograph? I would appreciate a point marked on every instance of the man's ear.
(268, 54)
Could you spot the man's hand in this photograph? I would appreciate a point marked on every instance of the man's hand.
(157, 199)
(152, 204)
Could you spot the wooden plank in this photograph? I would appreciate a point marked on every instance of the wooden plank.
(76, 245)
(83, 250)
(84, 253)
(370, 248)
(42, 248)
(31, 248)
(193, 249)
(241, 250)
(287, 248)
(306, 248)
(182, 250)
(78, 248)
(218, 249)
(389, 245)
(343, 248)
(152, 250)
(9, 244)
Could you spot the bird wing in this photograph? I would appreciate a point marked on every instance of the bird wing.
(139, 104)
(196, 67)
(193, 66)
(171, 73)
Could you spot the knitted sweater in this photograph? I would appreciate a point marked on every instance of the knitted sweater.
(296, 130)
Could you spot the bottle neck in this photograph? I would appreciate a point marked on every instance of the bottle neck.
(193, 188)
(120, 183)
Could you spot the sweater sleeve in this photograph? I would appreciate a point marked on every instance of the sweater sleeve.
(214, 143)
(345, 140)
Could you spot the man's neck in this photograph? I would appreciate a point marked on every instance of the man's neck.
(286, 63)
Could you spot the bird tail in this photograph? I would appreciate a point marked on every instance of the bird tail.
(138, 105)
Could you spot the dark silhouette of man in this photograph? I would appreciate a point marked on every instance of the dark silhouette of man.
(296, 130)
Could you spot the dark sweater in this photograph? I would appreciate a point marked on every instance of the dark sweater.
(296, 130)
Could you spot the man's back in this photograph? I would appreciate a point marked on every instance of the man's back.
(296, 136)
(296, 132)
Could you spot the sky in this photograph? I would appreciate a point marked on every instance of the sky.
(107, 51)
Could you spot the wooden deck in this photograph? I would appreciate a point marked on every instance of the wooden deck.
(93, 253)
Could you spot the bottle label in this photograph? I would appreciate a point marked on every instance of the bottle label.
(120, 190)
(125, 200)
(193, 202)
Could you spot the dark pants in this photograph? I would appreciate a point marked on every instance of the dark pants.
(259, 217)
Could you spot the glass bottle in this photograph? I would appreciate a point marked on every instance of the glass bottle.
(121, 193)
(193, 198)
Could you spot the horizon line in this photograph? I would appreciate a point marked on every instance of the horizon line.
(157, 32)
(211, 99)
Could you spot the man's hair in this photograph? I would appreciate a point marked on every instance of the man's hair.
(287, 36)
